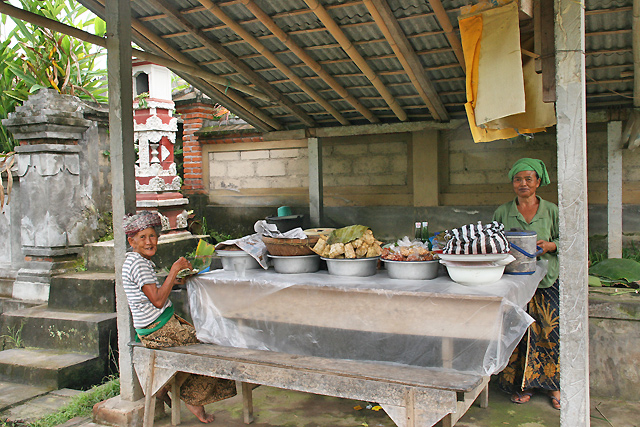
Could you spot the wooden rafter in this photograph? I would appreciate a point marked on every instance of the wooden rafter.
(348, 47)
(445, 23)
(247, 37)
(308, 60)
(386, 21)
(234, 100)
(243, 69)
(42, 21)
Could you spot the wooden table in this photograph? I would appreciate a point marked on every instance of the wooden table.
(431, 323)
(303, 332)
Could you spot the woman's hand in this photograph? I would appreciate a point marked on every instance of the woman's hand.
(180, 264)
(547, 246)
(159, 296)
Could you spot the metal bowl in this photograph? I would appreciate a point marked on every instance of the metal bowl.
(237, 260)
(360, 267)
(295, 264)
(412, 270)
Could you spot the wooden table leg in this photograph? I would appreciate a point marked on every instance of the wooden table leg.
(484, 397)
(247, 402)
(149, 397)
(175, 401)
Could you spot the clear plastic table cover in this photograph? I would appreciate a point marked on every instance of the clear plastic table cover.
(431, 323)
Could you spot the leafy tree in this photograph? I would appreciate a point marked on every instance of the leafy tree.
(34, 58)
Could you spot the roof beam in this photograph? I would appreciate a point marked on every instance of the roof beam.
(386, 21)
(271, 57)
(308, 60)
(233, 60)
(231, 99)
(348, 47)
(445, 23)
(43, 21)
(373, 129)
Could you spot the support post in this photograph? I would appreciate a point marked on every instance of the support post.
(614, 189)
(424, 158)
(123, 156)
(572, 203)
(316, 203)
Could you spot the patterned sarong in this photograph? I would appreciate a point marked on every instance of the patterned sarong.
(535, 362)
(196, 390)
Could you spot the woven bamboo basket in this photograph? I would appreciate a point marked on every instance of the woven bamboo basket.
(290, 247)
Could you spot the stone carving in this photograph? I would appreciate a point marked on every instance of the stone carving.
(181, 219)
(155, 123)
(165, 222)
(157, 184)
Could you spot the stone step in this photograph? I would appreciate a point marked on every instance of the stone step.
(53, 369)
(10, 304)
(100, 256)
(87, 291)
(41, 327)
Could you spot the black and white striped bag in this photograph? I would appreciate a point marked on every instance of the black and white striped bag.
(474, 239)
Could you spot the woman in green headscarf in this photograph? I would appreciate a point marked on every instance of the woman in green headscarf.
(535, 362)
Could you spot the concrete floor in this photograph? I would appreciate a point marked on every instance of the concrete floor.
(275, 407)
(280, 408)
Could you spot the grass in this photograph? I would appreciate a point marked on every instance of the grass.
(630, 253)
(80, 405)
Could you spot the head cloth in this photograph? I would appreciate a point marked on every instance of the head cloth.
(527, 164)
(133, 224)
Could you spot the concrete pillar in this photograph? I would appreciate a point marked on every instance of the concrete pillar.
(316, 202)
(56, 210)
(424, 158)
(614, 189)
(118, 18)
(572, 202)
(155, 128)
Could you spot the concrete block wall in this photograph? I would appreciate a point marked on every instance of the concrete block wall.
(359, 164)
(483, 167)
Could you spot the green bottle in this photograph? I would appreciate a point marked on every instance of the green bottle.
(425, 233)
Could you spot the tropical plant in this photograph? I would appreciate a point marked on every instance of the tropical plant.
(12, 92)
(34, 58)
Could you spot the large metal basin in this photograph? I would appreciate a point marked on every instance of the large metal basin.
(295, 264)
(412, 270)
(360, 267)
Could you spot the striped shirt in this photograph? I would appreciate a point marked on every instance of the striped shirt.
(138, 271)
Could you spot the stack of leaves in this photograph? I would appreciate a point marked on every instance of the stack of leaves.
(615, 272)
(201, 261)
(354, 241)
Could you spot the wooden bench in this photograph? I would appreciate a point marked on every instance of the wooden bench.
(411, 396)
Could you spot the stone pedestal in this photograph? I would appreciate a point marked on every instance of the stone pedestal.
(155, 128)
(57, 212)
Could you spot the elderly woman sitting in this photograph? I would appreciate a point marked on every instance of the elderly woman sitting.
(153, 315)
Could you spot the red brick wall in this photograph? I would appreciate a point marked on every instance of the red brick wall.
(193, 116)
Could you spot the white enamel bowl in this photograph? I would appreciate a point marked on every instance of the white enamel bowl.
(237, 261)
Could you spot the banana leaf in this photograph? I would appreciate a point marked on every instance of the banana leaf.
(346, 234)
(617, 269)
(201, 261)
(595, 281)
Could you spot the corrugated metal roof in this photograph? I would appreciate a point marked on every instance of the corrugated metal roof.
(608, 43)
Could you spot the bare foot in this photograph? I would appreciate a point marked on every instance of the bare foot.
(199, 412)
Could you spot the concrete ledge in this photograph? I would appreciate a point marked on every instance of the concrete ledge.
(614, 345)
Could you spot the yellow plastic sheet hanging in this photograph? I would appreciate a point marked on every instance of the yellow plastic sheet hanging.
(511, 96)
